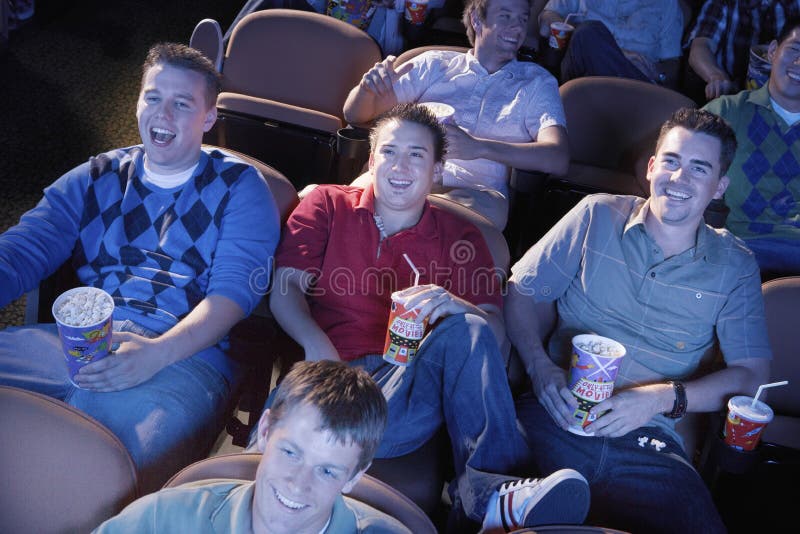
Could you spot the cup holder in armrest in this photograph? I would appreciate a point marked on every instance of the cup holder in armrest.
(524, 181)
(352, 143)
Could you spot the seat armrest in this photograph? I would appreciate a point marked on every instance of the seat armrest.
(524, 181)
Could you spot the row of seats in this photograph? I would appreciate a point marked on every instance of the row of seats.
(82, 474)
(85, 474)
(106, 464)
(609, 150)
(282, 112)
(286, 108)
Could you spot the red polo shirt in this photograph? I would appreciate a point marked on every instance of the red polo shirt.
(332, 234)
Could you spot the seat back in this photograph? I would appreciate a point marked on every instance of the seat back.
(369, 490)
(326, 58)
(613, 125)
(414, 52)
(62, 471)
(281, 188)
(781, 300)
(286, 76)
(569, 529)
(207, 38)
(494, 238)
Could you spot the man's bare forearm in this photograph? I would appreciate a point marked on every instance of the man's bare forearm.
(290, 308)
(204, 326)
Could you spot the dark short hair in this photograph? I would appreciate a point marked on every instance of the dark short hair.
(350, 403)
(702, 121)
(417, 114)
(185, 57)
(788, 28)
(480, 7)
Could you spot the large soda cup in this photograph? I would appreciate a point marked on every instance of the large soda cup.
(403, 334)
(745, 422)
(593, 369)
(84, 316)
(560, 32)
(416, 11)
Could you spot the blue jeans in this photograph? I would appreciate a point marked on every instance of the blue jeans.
(777, 256)
(458, 379)
(165, 423)
(640, 482)
(593, 51)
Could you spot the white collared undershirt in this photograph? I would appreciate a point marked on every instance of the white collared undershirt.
(789, 117)
(168, 181)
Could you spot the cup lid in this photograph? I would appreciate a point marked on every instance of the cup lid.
(560, 25)
(440, 109)
(741, 405)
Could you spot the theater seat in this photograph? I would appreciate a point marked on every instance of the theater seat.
(62, 471)
(569, 529)
(207, 38)
(613, 125)
(286, 75)
(369, 490)
(781, 301)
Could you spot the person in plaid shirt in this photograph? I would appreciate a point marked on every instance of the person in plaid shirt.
(723, 34)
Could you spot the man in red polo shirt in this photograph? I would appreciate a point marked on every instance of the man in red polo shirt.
(341, 258)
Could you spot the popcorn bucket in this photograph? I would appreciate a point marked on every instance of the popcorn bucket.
(84, 316)
(758, 67)
(356, 12)
(593, 369)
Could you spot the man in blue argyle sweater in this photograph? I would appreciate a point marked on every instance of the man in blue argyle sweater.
(174, 233)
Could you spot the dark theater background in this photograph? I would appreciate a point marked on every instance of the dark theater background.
(69, 80)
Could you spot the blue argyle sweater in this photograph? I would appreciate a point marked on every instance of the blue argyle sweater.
(158, 252)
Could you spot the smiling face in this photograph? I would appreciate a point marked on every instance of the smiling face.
(784, 79)
(684, 177)
(498, 38)
(173, 115)
(302, 471)
(403, 164)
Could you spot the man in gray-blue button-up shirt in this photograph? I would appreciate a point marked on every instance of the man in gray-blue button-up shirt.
(651, 275)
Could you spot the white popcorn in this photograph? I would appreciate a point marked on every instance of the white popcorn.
(601, 349)
(84, 307)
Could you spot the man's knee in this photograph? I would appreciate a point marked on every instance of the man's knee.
(590, 37)
(590, 32)
(461, 324)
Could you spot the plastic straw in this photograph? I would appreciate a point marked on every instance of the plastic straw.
(566, 19)
(762, 387)
(413, 268)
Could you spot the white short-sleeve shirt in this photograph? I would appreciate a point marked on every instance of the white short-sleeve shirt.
(512, 104)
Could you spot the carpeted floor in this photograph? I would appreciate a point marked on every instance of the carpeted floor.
(70, 78)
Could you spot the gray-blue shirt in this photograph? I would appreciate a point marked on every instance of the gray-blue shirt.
(610, 278)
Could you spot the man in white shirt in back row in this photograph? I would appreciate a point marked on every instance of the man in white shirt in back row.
(507, 113)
